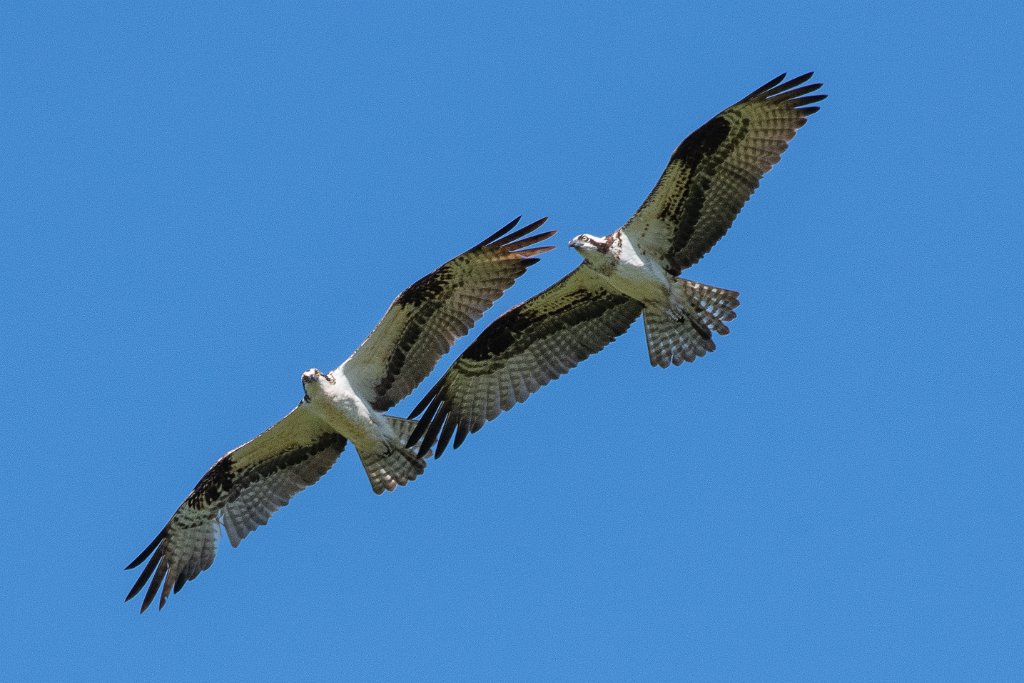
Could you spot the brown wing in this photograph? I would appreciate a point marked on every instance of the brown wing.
(425, 320)
(716, 169)
(240, 491)
(527, 347)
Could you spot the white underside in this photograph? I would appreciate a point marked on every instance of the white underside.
(638, 276)
(347, 413)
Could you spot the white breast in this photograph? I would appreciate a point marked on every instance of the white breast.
(625, 253)
(636, 275)
(341, 407)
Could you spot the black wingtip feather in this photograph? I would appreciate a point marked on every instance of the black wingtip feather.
(144, 577)
(430, 437)
(769, 85)
(424, 402)
(508, 239)
(794, 82)
(780, 86)
(445, 437)
(810, 99)
(425, 423)
(154, 586)
(420, 408)
(532, 239)
(783, 88)
(540, 250)
(802, 78)
(511, 224)
(545, 235)
(460, 435)
(149, 549)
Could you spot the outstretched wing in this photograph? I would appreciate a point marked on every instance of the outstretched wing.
(715, 170)
(425, 320)
(240, 491)
(527, 347)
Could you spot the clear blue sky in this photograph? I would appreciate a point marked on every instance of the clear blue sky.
(197, 203)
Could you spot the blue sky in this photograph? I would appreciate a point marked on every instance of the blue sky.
(200, 202)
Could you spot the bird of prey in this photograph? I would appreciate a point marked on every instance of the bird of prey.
(633, 270)
(248, 484)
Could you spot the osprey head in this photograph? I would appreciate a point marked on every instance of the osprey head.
(583, 242)
(313, 381)
(589, 247)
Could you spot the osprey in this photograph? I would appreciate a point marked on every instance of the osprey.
(248, 484)
(634, 270)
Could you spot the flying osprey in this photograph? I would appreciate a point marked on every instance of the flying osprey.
(634, 270)
(247, 485)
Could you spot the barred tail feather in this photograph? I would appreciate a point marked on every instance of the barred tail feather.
(682, 330)
(402, 427)
(716, 306)
(392, 464)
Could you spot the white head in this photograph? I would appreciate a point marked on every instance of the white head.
(592, 248)
(314, 381)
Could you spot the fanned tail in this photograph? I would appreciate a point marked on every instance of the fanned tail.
(392, 464)
(682, 330)
(404, 429)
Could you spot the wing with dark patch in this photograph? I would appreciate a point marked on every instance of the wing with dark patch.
(715, 170)
(524, 349)
(240, 491)
(425, 320)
